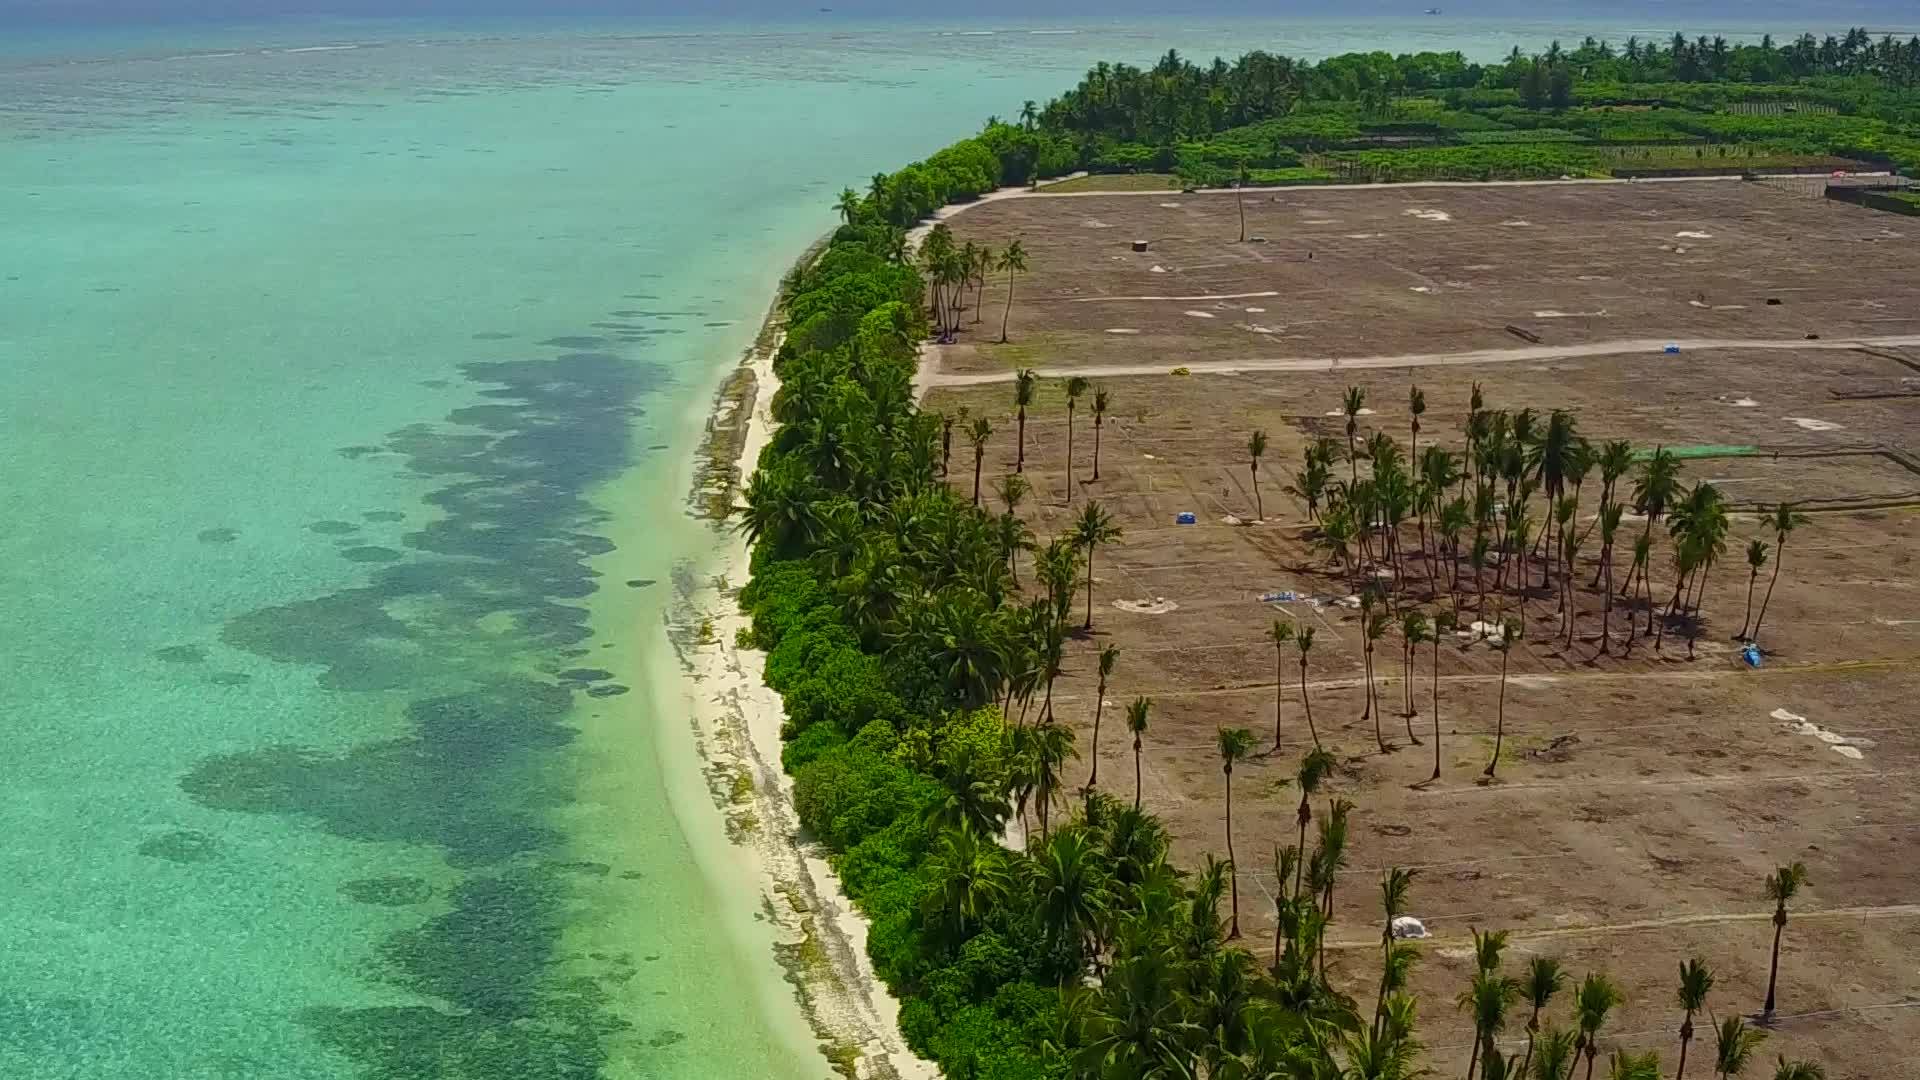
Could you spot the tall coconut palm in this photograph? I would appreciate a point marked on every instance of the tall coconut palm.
(1373, 625)
(1413, 631)
(1025, 382)
(1510, 633)
(1351, 404)
(1394, 886)
(1092, 528)
(1625, 1066)
(1109, 657)
(1655, 489)
(973, 877)
(1596, 997)
(978, 434)
(1014, 261)
(1315, 766)
(1234, 744)
(1280, 634)
(1241, 178)
(1101, 402)
(1256, 448)
(1643, 569)
(1696, 982)
(1304, 640)
(1416, 408)
(1545, 978)
(1610, 513)
(1053, 748)
(1756, 558)
(1487, 999)
(1443, 625)
(1799, 1070)
(1616, 458)
(848, 205)
(1557, 1053)
(1782, 885)
(1076, 388)
(1733, 1046)
(1137, 715)
(1012, 489)
(1783, 520)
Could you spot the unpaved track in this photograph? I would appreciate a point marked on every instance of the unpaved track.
(930, 379)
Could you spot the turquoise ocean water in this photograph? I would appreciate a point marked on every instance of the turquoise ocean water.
(351, 372)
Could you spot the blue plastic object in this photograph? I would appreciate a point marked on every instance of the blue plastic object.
(1673, 349)
(1751, 654)
(1185, 517)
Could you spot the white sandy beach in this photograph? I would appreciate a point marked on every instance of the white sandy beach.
(822, 938)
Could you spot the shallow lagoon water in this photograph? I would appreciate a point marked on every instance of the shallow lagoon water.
(350, 370)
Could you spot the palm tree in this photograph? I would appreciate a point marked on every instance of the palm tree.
(1510, 632)
(1695, 983)
(1558, 1051)
(1257, 446)
(1235, 744)
(1596, 997)
(1351, 404)
(1733, 1046)
(1304, 639)
(1314, 767)
(1416, 408)
(1643, 568)
(1076, 386)
(1544, 979)
(978, 434)
(1394, 886)
(1137, 714)
(1100, 403)
(1486, 999)
(1091, 529)
(1012, 489)
(1053, 748)
(1014, 261)
(1782, 885)
(1413, 631)
(1627, 1066)
(1784, 521)
(1610, 513)
(973, 878)
(1756, 558)
(1374, 626)
(1655, 489)
(1071, 882)
(1024, 382)
(1280, 634)
(848, 206)
(1240, 181)
(1109, 657)
(1798, 1070)
(1443, 625)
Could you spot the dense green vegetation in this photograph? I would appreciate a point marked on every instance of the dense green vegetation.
(1029, 919)
(1800, 104)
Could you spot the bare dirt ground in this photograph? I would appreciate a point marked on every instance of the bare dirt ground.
(1405, 270)
(1641, 800)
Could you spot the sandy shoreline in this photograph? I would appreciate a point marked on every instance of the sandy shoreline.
(820, 937)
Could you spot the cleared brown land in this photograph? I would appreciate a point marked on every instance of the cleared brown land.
(1354, 273)
(1644, 839)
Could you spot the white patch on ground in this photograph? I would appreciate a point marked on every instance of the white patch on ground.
(1550, 314)
(1729, 307)
(1693, 234)
(1261, 329)
(1366, 235)
(1517, 223)
(1422, 289)
(1121, 330)
(1342, 412)
(1491, 631)
(1256, 311)
(1156, 268)
(1170, 206)
(1149, 457)
(1843, 745)
(1810, 424)
(1480, 266)
(1695, 303)
(1159, 605)
(1095, 223)
(1199, 314)
(1738, 403)
(1428, 214)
